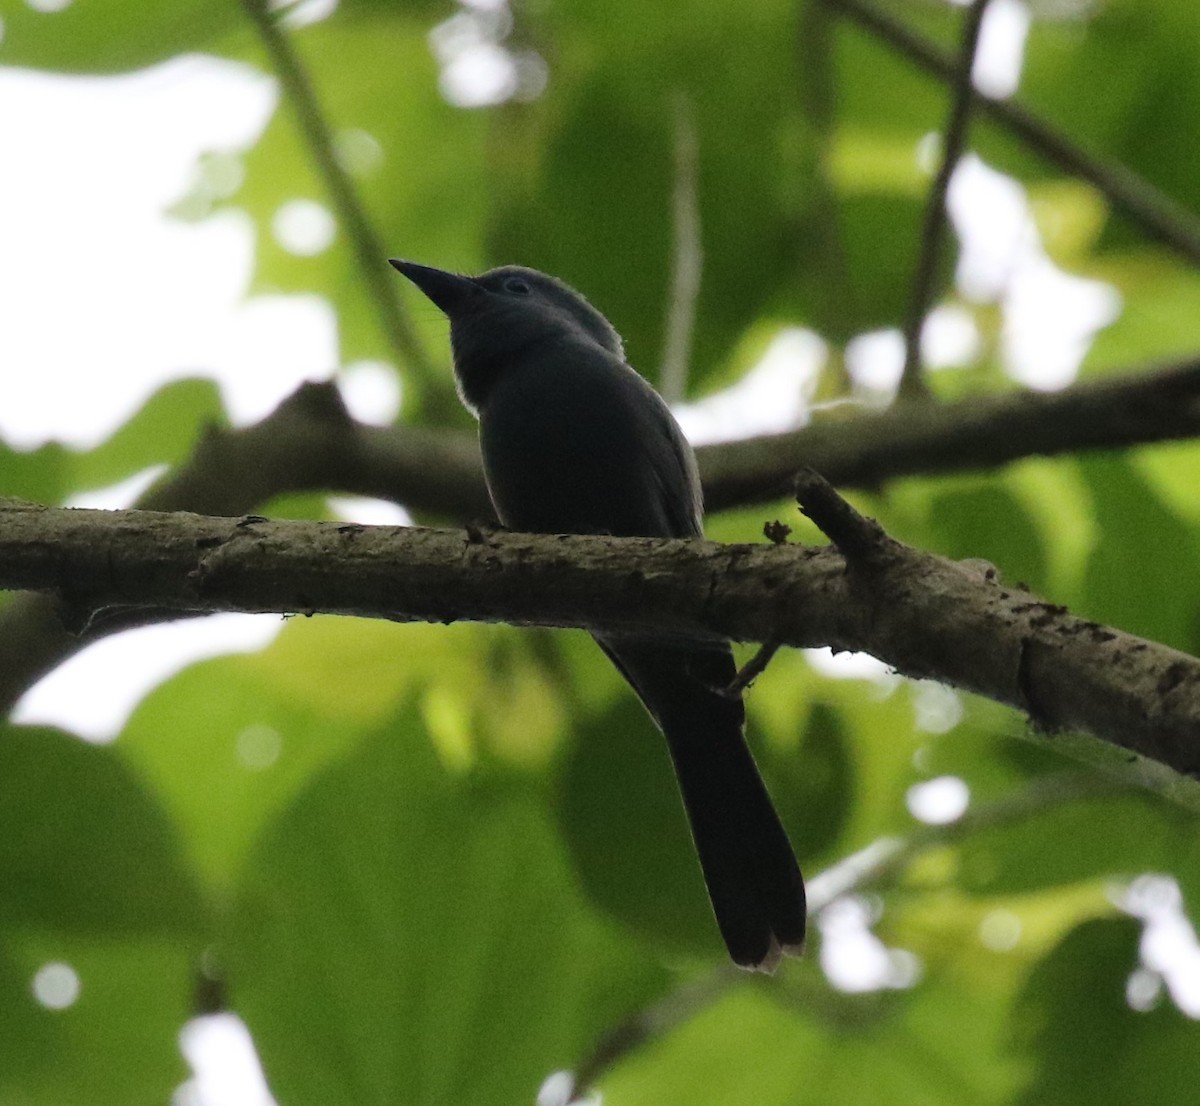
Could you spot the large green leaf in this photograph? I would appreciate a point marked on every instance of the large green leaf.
(93, 885)
(402, 937)
(1090, 1046)
(84, 848)
(1069, 842)
(1135, 61)
(117, 1043)
(981, 518)
(622, 818)
(1144, 575)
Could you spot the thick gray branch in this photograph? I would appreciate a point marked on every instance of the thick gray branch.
(312, 443)
(925, 615)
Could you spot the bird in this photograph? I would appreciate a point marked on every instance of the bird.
(575, 441)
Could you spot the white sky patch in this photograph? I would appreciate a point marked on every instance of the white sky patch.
(774, 396)
(853, 959)
(304, 227)
(225, 1066)
(940, 801)
(938, 708)
(94, 693)
(1050, 317)
(90, 165)
(369, 512)
(875, 361)
(478, 69)
(119, 496)
(1001, 51)
(1169, 949)
(949, 337)
(851, 666)
(371, 391)
(257, 366)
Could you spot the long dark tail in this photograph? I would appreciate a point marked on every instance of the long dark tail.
(753, 879)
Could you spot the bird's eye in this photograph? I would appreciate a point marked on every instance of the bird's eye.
(517, 285)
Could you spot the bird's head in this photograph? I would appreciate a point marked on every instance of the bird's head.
(504, 313)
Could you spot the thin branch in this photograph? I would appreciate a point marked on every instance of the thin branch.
(687, 255)
(752, 669)
(926, 616)
(370, 254)
(859, 539)
(912, 383)
(1155, 212)
(1112, 412)
(651, 1023)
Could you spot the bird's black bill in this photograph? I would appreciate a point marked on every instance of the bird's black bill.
(448, 290)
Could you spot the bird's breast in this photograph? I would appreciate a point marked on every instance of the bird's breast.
(568, 448)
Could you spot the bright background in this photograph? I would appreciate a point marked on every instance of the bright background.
(164, 224)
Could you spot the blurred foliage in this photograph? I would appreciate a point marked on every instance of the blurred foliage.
(434, 864)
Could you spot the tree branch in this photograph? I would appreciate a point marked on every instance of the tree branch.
(1155, 212)
(979, 433)
(310, 443)
(912, 384)
(927, 616)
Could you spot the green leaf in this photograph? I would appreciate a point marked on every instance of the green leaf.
(117, 1043)
(981, 518)
(621, 815)
(1089, 1046)
(1070, 842)
(163, 431)
(813, 783)
(591, 201)
(1140, 81)
(111, 36)
(84, 848)
(399, 937)
(1142, 577)
(230, 741)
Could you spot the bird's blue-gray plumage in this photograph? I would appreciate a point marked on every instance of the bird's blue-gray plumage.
(575, 441)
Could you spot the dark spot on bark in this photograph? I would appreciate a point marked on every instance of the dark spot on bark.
(1171, 678)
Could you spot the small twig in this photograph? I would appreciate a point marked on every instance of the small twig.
(752, 669)
(687, 256)
(369, 251)
(857, 537)
(1155, 212)
(885, 859)
(983, 432)
(652, 1022)
(776, 532)
(912, 383)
